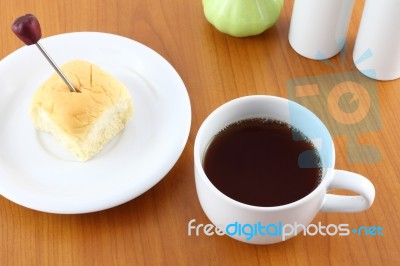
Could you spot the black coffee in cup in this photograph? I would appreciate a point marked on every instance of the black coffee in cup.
(262, 162)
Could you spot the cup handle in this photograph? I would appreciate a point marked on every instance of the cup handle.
(352, 182)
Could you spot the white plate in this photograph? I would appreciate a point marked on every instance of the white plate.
(36, 172)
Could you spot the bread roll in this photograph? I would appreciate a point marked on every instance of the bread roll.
(85, 121)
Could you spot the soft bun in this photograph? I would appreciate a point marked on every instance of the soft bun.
(85, 121)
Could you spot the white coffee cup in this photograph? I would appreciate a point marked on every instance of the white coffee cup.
(224, 211)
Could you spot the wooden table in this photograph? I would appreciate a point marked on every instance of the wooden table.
(153, 228)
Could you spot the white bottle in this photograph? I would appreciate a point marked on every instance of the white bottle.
(318, 28)
(377, 49)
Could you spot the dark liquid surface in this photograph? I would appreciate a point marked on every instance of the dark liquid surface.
(256, 162)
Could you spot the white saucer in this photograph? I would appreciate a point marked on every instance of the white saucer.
(36, 172)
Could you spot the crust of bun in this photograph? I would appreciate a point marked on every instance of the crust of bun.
(84, 121)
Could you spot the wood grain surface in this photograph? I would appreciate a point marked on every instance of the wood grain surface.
(153, 228)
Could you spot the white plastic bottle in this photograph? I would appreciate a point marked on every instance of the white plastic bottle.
(377, 49)
(318, 28)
